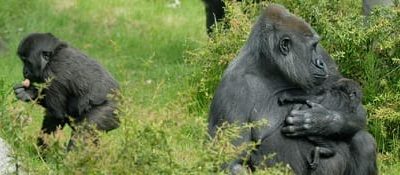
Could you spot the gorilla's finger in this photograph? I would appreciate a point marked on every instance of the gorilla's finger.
(293, 120)
(18, 86)
(18, 96)
(19, 90)
(295, 134)
(287, 129)
(314, 105)
(26, 98)
(293, 129)
(297, 107)
(295, 113)
(306, 126)
(298, 120)
(21, 96)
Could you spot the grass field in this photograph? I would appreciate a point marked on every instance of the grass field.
(143, 44)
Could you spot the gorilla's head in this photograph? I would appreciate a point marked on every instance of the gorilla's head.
(351, 88)
(35, 51)
(292, 45)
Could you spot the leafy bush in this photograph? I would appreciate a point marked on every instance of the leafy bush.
(218, 52)
(157, 146)
(366, 50)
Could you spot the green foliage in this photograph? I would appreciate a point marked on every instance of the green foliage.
(222, 47)
(365, 49)
(144, 144)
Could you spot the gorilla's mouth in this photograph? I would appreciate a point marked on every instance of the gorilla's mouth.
(322, 76)
(33, 79)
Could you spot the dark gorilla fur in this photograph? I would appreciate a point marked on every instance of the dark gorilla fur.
(215, 12)
(342, 95)
(282, 56)
(79, 86)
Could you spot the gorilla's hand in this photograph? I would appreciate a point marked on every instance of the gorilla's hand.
(25, 93)
(313, 121)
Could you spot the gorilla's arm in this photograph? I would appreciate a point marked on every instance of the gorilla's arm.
(55, 100)
(227, 106)
(320, 121)
(232, 104)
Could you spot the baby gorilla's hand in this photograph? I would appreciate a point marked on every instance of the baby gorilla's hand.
(25, 92)
(312, 121)
(26, 83)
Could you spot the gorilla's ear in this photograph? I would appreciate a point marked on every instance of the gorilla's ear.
(60, 45)
(284, 45)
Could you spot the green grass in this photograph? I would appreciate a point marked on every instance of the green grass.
(143, 43)
(136, 40)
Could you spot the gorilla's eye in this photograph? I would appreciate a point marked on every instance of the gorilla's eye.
(284, 45)
(314, 45)
(46, 55)
(320, 64)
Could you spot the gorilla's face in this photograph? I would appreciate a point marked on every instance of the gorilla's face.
(294, 47)
(35, 52)
(299, 59)
(351, 88)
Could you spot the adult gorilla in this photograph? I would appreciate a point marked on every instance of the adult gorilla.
(78, 91)
(282, 55)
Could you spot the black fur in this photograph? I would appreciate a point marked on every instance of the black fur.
(282, 55)
(343, 95)
(78, 89)
(215, 12)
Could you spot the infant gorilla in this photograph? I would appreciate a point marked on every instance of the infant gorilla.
(342, 95)
(79, 89)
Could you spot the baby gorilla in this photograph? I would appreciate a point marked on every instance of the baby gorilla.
(341, 95)
(80, 91)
